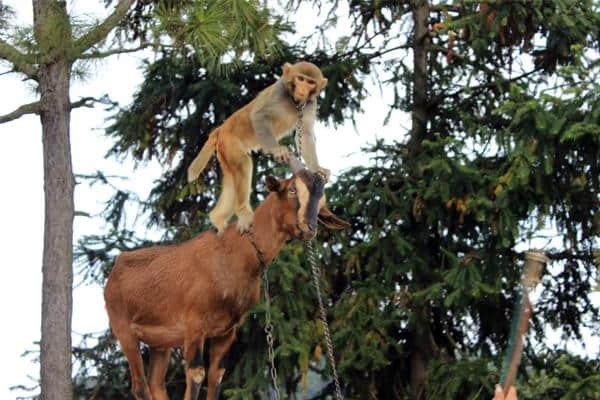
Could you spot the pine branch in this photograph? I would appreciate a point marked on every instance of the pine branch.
(31, 108)
(34, 108)
(476, 90)
(17, 59)
(99, 33)
(104, 54)
(90, 101)
(447, 7)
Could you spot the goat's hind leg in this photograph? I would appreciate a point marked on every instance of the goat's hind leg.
(131, 348)
(193, 354)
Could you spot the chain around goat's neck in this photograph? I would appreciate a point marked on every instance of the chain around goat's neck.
(259, 254)
(268, 323)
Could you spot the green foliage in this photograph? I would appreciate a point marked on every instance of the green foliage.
(559, 375)
(220, 29)
(6, 13)
(553, 375)
(462, 379)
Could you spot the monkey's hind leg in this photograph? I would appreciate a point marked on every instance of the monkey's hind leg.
(243, 185)
(224, 208)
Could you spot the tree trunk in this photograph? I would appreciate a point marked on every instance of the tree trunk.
(421, 74)
(423, 346)
(52, 31)
(423, 349)
(57, 267)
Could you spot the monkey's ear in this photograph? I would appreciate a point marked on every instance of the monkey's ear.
(323, 83)
(273, 184)
(287, 67)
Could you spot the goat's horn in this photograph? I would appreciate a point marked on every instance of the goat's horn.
(295, 164)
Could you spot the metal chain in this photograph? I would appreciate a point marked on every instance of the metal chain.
(323, 315)
(298, 128)
(315, 271)
(269, 334)
(268, 323)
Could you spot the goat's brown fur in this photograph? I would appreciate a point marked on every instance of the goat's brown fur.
(202, 289)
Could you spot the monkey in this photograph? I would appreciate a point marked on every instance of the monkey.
(259, 125)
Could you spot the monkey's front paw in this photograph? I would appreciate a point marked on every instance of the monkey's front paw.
(218, 222)
(325, 172)
(244, 222)
(281, 154)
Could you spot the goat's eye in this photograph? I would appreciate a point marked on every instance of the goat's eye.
(292, 190)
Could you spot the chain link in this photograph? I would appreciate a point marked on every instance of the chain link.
(268, 323)
(269, 334)
(299, 131)
(312, 258)
(323, 315)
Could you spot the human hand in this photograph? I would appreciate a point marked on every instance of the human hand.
(499, 394)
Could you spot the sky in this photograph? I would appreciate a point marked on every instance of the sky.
(21, 206)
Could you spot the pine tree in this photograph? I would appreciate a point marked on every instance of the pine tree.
(442, 213)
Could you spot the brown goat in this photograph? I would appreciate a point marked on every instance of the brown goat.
(183, 295)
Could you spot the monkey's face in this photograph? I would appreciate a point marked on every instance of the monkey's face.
(304, 89)
(302, 203)
(304, 81)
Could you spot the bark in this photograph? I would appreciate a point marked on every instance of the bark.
(58, 236)
(423, 350)
(20, 62)
(53, 35)
(423, 344)
(421, 74)
(99, 33)
(31, 108)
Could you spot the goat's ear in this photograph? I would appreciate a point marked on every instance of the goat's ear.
(330, 220)
(273, 184)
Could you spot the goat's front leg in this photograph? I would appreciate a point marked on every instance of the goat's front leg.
(159, 362)
(218, 348)
(193, 354)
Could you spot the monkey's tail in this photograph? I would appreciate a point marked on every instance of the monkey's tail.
(199, 163)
